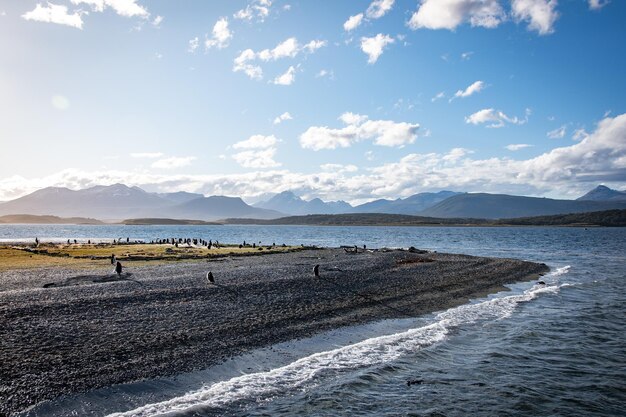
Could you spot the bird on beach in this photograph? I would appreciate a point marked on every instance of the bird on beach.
(316, 270)
(118, 268)
(209, 277)
(113, 260)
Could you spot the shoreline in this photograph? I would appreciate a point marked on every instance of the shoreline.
(167, 320)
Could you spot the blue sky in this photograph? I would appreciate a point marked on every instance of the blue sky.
(378, 98)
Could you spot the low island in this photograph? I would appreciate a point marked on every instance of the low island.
(69, 324)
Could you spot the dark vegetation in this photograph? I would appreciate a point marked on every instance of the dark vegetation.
(611, 218)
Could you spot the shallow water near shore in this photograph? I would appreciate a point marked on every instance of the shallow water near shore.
(556, 349)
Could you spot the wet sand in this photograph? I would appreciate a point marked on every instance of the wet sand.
(91, 330)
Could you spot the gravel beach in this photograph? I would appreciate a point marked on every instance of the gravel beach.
(86, 330)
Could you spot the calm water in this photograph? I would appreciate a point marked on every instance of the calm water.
(558, 349)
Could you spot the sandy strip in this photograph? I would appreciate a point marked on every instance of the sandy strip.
(81, 334)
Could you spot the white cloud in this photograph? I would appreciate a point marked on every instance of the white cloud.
(258, 10)
(568, 171)
(541, 14)
(579, 134)
(148, 155)
(288, 48)
(286, 78)
(282, 118)
(193, 45)
(60, 102)
(220, 36)
(126, 8)
(517, 146)
(598, 4)
(455, 154)
(338, 168)
(325, 73)
(465, 56)
(257, 159)
(495, 118)
(379, 8)
(358, 128)
(173, 162)
(353, 22)
(314, 45)
(438, 96)
(476, 87)
(55, 13)
(157, 21)
(374, 46)
(557, 133)
(448, 14)
(242, 63)
(257, 142)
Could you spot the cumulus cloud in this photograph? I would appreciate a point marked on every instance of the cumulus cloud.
(569, 170)
(126, 8)
(540, 14)
(55, 13)
(257, 10)
(495, 118)
(282, 118)
(257, 142)
(173, 162)
(597, 4)
(287, 78)
(557, 133)
(476, 87)
(157, 21)
(448, 14)
(358, 128)
(465, 56)
(246, 62)
(517, 146)
(220, 36)
(353, 22)
(243, 63)
(375, 46)
(257, 158)
(379, 8)
(339, 168)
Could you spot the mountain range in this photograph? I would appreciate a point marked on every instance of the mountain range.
(118, 201)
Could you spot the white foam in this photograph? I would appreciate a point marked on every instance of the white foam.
(370, 352)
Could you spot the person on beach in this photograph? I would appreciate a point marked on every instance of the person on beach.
(118, 268)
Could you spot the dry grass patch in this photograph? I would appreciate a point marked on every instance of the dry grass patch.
(98, 255)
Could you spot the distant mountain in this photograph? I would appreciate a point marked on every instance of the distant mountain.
(179, 197)
(289, 203)
(102, 202)
(119, 201)
(602, 193)
(219, 207)
(499, 206)
(411, 205)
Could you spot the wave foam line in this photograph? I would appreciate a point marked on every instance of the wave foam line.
(369, 352)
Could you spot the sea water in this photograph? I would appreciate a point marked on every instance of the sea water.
(553, 349)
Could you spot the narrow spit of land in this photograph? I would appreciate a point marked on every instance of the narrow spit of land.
(91, 329)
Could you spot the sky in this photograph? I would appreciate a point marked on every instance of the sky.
(342, 100)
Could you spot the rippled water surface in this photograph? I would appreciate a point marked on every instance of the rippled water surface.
(554, 349)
